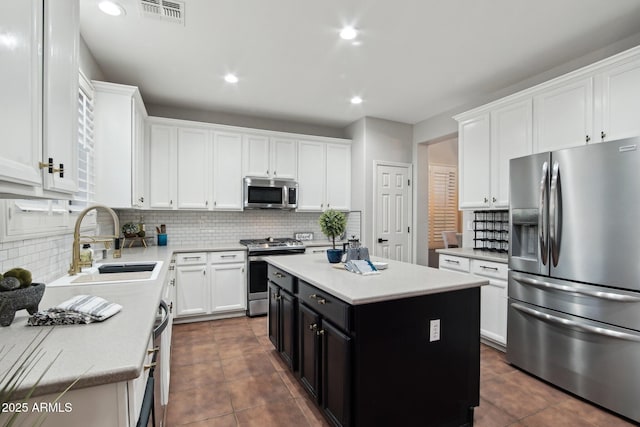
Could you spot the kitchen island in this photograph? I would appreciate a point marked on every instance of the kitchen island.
(398, 348)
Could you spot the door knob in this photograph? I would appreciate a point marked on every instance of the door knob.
(381, 240)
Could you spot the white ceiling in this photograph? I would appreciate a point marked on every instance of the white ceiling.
(417, 58)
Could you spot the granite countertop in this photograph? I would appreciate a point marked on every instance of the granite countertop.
(399, 280)
(102, 352)
(476, 254)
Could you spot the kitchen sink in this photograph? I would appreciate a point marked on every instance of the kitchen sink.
(116, 272)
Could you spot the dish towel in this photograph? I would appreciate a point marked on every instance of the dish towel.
(80, 309)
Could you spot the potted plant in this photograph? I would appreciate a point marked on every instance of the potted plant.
(332, 224)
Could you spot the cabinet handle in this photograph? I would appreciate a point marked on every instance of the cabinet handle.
(141, 199)
(313, 296)
(321, 205)
(603, 135)
(267, 172)
(321, 301)
(486, 200)
(451, 261)
(489, 268)
(191, 257)
(206, 203)
(317, 251)
(313, 326)
(494, 199)
(171, 202)
(320, 332)
(61, 170)
(171, 307)
(278, 275)
(229, 256)
(152, 350)
(48, 165)
(204, 272)
(149, 366)
(275, 173)
(587, 138)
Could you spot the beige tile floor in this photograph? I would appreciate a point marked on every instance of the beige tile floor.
(226, 373)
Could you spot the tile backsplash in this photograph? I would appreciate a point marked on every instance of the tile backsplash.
(188, 228)
(48, 258)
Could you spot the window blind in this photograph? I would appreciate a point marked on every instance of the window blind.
(443, 202)
(85, 194)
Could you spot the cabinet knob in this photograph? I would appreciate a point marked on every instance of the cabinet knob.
(206, 203)
(321, 301)
(171, 202)
(486, 200)
(603, 135)
(320, 332)
(587, 138)
(141, 199)
(494, 199)
(267, 172)
(313, 326)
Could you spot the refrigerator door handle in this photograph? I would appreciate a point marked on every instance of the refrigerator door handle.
(610, 296)
(576, 325)
(554, 214)
(543, 215)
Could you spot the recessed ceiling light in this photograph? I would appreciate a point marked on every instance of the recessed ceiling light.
(231, 78)
(348, 33)
(111, 8)
(356, 100)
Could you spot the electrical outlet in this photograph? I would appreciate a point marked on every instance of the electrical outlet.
(434, 330)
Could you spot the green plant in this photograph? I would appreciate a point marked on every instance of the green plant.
(130, 229)
(332, 224)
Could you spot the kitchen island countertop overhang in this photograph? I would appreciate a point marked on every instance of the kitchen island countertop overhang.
(400, 280)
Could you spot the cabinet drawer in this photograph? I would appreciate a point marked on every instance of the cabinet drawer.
(495, 270)
(191, 258)
(450, 262)
(282, 278)
(227, 256)
(338, 312)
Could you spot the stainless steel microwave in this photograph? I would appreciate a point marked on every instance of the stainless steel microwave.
(265, 193)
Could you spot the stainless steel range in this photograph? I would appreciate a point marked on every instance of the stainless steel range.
(257, 298)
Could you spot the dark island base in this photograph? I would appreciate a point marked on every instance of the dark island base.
(400, 377)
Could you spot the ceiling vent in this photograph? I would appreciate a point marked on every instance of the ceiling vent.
(166, 10)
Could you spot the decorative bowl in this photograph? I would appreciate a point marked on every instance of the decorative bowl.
(18, 299)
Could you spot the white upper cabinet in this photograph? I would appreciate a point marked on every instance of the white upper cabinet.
(60, 119)
(324, 176)
(284, 157)
(193, 166)
(620, 86)
(227, 171)
(256, 156)
(162, 169)
(119, 117)
(511, 137)
(474, 160)
(39, 98)
(338, 176)
(563, 116)
(270, 157)
(311, 173)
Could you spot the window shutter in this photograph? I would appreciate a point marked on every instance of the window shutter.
(443, 202)
(85, 194)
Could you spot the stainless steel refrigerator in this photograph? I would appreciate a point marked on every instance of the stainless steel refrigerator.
(574, 279)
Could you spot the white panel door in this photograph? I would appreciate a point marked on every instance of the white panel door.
(139, 152)
(474, 162)
(255, 156)
(511, 137)
(162, 166)
(338, 183)
(284, 158)
(21, 91)
(392, 238)
(311, 176)
(193, 168)
(620, 102)
(227, 171)
(563, 116)
(192, 290)
(228, 287)
(60, 99)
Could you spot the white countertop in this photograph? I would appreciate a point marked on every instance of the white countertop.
(399, 280)
(102, 352)
(476, 254)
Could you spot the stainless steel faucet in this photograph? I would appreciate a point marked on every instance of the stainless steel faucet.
(76, 264)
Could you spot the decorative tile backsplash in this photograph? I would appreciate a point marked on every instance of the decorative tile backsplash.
(48, 258)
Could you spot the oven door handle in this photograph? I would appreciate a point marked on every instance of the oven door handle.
(610, 296)
(146, 411)
(576, 325)
(157, 331)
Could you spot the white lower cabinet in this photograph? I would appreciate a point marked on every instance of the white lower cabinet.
(493, 297)
(108, 405)
(210, 283)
